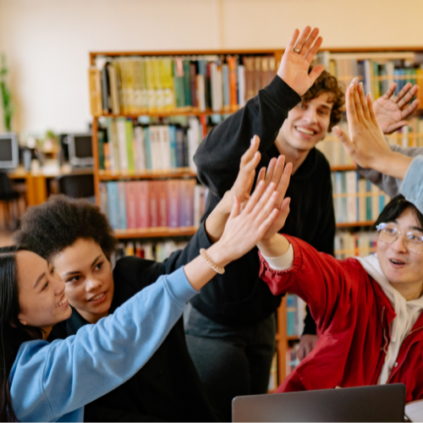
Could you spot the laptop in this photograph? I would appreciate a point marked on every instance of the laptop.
(381, 403)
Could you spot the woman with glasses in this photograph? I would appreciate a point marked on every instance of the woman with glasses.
(368, 310)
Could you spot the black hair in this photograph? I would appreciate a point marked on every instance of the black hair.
(12, 332)
(395, 208)
(51, 227)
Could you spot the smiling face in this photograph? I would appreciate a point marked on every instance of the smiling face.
(401, 267)
(306, 124)
(42, 297)
(88, 278)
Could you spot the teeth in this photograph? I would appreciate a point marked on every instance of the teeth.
(97, 297)
(62, 302)
(397, 262)
(305, 131)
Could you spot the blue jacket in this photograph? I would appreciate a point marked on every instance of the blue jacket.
(53, 381)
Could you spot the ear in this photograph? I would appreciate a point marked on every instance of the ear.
(22, 320)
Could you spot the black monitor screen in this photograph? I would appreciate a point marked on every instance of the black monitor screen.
(83, 146)
(6, 149)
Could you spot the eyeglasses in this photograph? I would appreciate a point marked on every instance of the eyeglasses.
(389, 233)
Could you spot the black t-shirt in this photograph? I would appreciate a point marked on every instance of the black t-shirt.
(240, 297)
(167, 387)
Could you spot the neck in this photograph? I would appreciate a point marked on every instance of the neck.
(410, 291)
(46, 331)
(292, 155)
(92, 318)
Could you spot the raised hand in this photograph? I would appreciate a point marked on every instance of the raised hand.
(367, 145)
(297, 58)
(244, 229)
(389, 109)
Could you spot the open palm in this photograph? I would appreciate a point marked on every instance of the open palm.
(296, 63)
(389, 109)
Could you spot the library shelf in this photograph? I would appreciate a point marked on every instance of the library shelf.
(160, 232)
(354, 224)
(173, 112)
(343, 168)
(292, 338)
(104, 175)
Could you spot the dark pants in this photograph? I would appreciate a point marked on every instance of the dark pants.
(230, 361)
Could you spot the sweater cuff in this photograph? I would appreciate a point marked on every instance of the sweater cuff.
(179, 287)
(282, 262)
(282, 94)
(412, 186)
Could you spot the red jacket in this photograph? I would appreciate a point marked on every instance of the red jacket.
(353, 317)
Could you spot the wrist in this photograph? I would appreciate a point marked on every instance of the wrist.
(219, 254)
(225, 205)
(275, 246)
(395, 165)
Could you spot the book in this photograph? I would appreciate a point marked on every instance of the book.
(414, 411)
(94, 81)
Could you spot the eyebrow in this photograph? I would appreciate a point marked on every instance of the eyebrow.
(75, 272)
(323, 106)
(39, 279)
(416, 228)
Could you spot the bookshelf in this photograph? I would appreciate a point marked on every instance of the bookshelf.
(375, 72)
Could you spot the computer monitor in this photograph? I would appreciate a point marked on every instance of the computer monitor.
(80, 150)
(9, 150)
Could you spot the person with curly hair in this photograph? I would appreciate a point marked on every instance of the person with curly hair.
(231, 327)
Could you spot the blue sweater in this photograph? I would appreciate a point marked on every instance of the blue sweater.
(53, 381)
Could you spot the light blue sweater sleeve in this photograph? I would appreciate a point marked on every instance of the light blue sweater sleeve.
(51, 380)
(412, 185)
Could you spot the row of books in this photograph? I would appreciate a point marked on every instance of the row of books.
(295, 313)
(356, 199)
(378, 75)
(128, 148)
(158, 251)
(360, 244)
(136, 85)
(169, 203)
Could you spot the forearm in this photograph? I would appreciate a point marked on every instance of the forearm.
(395, 165)
(276, 246)
(216, 221)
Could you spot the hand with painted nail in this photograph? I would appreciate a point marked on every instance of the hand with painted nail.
(391, 110)
(367, 145)
(297, 59)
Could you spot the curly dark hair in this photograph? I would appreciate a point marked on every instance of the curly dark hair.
(327, 83)
(56, 224)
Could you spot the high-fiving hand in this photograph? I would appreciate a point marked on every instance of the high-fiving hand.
(297, 59)
(390, 110)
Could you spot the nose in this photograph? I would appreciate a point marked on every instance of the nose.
(58, 284)
(92, 284)
(311, 115)
(399, 244)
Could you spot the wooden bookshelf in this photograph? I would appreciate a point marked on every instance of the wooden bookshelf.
(360, 53)
(104, 175)
(155, 232)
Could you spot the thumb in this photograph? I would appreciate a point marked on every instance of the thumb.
(236, 208)
(343, 137)
(315, 73)
(394, 127)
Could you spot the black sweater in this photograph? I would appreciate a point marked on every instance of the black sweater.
(239, 297)
(168, 387)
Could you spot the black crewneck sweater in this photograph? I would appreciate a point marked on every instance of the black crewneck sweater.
(240, 297)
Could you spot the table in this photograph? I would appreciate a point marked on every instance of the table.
(36, 181)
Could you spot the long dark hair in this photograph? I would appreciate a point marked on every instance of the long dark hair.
(12, 332)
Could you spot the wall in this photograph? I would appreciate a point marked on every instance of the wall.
(47, 41)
